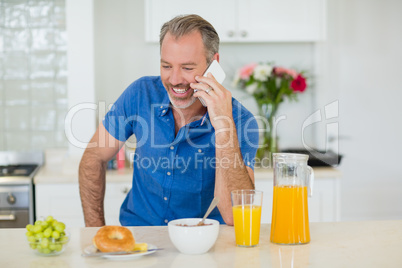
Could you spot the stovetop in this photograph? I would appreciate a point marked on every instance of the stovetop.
(19, 167)
(24, 170)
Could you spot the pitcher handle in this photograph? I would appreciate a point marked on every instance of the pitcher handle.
(310, 181)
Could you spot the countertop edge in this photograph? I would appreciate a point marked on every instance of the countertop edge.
(53, 176)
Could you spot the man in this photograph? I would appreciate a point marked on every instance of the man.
(186, 153)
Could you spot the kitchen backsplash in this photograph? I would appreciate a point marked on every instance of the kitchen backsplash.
(33, 74)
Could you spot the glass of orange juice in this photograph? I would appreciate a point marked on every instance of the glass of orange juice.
(293, 181)
(246, 206)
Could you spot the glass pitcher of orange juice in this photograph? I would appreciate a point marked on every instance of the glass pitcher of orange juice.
(293, 182)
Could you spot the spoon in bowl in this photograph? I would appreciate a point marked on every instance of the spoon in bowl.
(214, 202)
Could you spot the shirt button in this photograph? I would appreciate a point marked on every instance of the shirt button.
(168, 173)
(171, 147)
(166, 221)
(161, 107)
(167, 119)
(248, 163)
(199, 150)
(163, 111)
(165, 198)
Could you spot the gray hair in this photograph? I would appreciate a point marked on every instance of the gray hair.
(185, 24)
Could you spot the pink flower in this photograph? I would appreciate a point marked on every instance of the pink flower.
(299, 84)
(247, 70)
(281, 71)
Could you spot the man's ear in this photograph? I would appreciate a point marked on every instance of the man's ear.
(216, 57)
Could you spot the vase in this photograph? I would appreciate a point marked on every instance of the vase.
(270, 140)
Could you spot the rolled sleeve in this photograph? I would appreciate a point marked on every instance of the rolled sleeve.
(119, 121)
(248, 135)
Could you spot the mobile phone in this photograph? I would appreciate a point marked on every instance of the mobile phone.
(216, 70)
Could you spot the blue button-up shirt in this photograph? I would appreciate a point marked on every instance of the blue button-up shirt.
(173, 175)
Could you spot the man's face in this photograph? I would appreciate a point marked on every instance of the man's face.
(181, 60)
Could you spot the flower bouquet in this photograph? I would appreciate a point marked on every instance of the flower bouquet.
(269, 85)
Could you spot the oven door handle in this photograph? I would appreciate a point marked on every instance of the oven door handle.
(10, 217)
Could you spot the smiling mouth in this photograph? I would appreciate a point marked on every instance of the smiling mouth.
(180, 90)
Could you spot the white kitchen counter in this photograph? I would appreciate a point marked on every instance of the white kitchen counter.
(54, 176)
(60, 168)
(340, 244)
(319, 173)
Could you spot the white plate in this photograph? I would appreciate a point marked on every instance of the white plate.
(91, 249)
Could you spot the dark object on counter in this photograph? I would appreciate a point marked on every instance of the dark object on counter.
(112, 164)
(317, 158)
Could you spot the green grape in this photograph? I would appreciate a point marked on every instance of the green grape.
(54, 223)
(28, 233)
(49, 219)
(59, 247)
(32, 239)
(44, 224)
(38, 222)
(55, 234)
(60, 227)
(39, 236)
(52, 246)
(37, 229)
(48, 232)
(32, 245)
(45, 251)
(44, 243)
(29, 227)
(63, 239)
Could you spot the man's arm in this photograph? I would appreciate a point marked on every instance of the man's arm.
(92, 170)
(231, 173)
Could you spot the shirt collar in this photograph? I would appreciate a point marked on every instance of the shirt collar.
(202, 121)
(165, 104)
(203, 118)
(163, 109)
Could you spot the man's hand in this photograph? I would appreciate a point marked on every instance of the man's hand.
(218, 100)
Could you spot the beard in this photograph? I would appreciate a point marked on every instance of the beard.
(178, 102)
(184, 105)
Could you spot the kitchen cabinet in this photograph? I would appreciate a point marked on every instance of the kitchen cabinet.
(323, 206)
(221, 14)
(246, 20)
(62, 201)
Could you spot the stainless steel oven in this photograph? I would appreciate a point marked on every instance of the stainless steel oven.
(17, 170)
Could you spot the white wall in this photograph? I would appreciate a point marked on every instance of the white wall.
(80, 120)
(121, 54)
(362, 62)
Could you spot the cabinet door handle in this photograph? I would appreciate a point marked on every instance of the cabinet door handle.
(231, 33)
(125, 190)
(10, 217)
(11, 199)
(243, 33)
